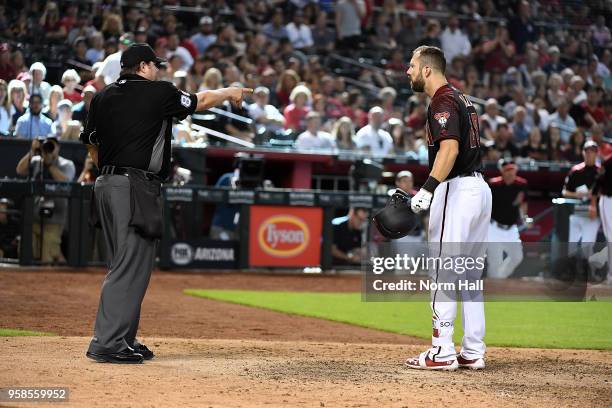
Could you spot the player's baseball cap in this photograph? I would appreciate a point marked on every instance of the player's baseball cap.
(137, 53)
(506, 164)
(590, 144)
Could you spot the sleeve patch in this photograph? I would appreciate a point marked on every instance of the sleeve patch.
(442, 118)
(185, 101)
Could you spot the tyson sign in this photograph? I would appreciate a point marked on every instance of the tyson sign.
(285, 236)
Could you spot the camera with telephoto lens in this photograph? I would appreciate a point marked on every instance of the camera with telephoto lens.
(46, 146)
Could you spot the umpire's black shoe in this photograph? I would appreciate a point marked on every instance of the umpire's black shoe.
(123, 357)
(144, 350)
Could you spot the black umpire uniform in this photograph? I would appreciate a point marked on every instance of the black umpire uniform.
(130, 122)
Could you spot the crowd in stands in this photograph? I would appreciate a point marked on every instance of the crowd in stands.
(538, 71)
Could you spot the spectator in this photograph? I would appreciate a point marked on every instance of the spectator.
(503, 146)
(402, 142)
(343, 133)
(491, 115)
(70, 79)
(89, 173)
(520, 129)
(573, 150)
(33, 125)
(499, 52)
(387, 97)
(5, 110)
(43, 162)
(213, 79)
(56, 94)
(17, 61)
(600, 33)
(112, 27)
(17, 92)
(55, 31)
(534, 148)
(575, 92)
(418, 117)
(225, 217)
(372, 138)
(432, 34)
(82, 28)
(454, 41)
(313, 137)
(554, 94)
(275, 30)
(593, 113)
(175, 49)
(522, 29)
(79, 51)
(323, 36)
(267, 118)
(7, 70)
(38, 71)
(111, 66)
(563, 121)
(299, 32)
(295, 113)
(348, 22)
(64, 127)
(555, 143)
(286, 83)
(95, 52)
(346, 247)
(554, 66)
(205, 36)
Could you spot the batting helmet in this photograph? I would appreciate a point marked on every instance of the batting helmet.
(396, 220)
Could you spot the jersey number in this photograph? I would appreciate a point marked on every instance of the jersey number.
(474, 131)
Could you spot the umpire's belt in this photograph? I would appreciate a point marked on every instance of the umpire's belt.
(125, 171)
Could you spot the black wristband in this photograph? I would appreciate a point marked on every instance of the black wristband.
(430, 184)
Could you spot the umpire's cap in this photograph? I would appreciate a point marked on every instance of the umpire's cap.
(396, 220)
(137, 53)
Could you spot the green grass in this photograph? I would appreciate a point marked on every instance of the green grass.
(579, 325)
(19, 332)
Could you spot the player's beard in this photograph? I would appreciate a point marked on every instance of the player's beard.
(418, 83)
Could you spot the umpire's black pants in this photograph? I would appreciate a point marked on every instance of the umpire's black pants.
(131, 259)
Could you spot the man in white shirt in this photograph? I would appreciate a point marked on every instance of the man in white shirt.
(299, 33)
(265, 116)
(565, 123)
(174, 48)
(111, 66)
(491, 115)
(454, 41)
(313, 137)
(371, 137)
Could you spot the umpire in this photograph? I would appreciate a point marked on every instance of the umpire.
(128, 133)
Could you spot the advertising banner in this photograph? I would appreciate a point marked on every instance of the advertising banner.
(203, 254)
(285, 236)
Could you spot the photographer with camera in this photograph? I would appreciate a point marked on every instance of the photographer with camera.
(43, 163)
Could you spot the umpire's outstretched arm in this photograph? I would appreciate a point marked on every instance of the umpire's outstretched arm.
(209, 99)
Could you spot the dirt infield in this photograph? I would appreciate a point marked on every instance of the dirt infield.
(217, 354)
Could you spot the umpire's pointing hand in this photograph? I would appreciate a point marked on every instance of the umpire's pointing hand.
(236, 95)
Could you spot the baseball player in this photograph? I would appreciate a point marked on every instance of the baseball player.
(509, 205)
(603, 191)
(579, 184)
(460, 202)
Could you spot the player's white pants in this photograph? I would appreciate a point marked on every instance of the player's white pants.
(460, 213)
(584, 230)
(605, 212)
(498, 267)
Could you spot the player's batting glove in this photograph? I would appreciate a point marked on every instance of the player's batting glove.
(421, 201)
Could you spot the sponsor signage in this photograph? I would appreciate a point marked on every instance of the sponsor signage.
(285, 236)
(179, 194)
(332, 200)
(360, 200)
(306, 199)
(241, 197)
(204, 254)
(212, 196)
(267, 197)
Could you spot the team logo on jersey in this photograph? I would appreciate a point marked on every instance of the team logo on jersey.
(185, 101)
(442, 118)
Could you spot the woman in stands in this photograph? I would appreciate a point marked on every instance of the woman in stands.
(55, 95)
(343, 133)
(17, 92)
(5, 109)
(286, 83)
